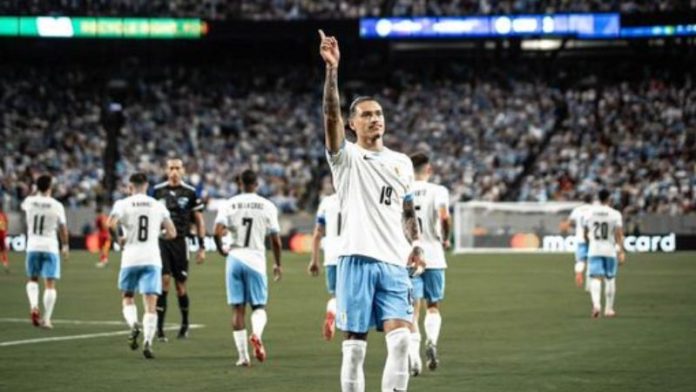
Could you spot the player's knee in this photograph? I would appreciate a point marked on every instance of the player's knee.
(398, 341)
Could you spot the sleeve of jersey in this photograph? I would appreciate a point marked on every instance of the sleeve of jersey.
(61, 215)
(443, 198)
(321, 214)
(221, 217)
(198, 204)
(116, 210)
(273, 225)
(619, 220)
(410, 178)
(342, 157)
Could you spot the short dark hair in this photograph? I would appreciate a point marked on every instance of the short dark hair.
(248, 177)
(138, 179)
(357, 101)
(587, 197)
(604, 195)
(419, 160)
(43, 183)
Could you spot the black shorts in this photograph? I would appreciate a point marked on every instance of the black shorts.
(175, 258)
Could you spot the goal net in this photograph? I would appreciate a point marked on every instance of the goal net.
(481, 227)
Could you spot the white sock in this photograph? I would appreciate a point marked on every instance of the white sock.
(33, 294)
(352, 375)
(130, 313)
(331, 306)
(395, 376)
(49, 301)
(240, 340)
(258, 322)
(596, 293)
(609, 293)
(432, 324)
(149, 326)
(579, 267)
(414, 347)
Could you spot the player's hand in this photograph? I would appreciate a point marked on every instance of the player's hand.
(200, 256)
(122, 242)
(65, 252)
(328, 49)
(277, 273)
(622, 257)
(416, 262)
(446, 244)
(313, 268)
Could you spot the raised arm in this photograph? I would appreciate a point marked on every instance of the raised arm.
(333, 123)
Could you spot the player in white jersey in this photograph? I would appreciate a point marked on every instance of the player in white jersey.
(249, 218)
(373, 185)
(604, 235)
(142, 219)
(577, 220)
(432, 209)
(45, 218)
(328, 227)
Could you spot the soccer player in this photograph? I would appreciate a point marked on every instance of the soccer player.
(249, 218)
(143, 218)
(185, 208)
(432, 209)
(45, 217)
(3, 237)
(577, 220)
(373, 185)
(604, 235)
(104, 237)
(328, 227)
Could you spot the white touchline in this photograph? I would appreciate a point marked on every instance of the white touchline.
(78, 337)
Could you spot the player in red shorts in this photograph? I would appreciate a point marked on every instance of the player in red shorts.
(3, 238)
(103, 236)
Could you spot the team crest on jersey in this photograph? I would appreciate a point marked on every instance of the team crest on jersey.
(182, 201)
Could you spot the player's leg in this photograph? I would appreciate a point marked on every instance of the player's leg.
(580, 264)
(434, 293)
(611, 266)
(33, 269)
(393, 308)
(180, 273)
(257, 286)
(104, 245)
(50, 270)
(3, 253)
(236, 298)
(355, 287)
(150, 285)
(414, 360)
(127, 283)
(330, 319)
(597, 273)
(165, 251)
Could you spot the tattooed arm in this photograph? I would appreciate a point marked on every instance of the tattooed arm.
(333, 123)
(412, 232)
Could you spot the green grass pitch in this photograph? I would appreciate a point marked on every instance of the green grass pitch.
(510, 323)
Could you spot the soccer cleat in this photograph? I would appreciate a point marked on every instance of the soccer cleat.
(415, 365)
(431, 356)
(329, 326)
(101, 264)
(243, 362)
(36, 317)
(147, 351)
(45, 324)
(259, 350)
(161, 337)
(133, 337)
(609, 313)
(183, 332)
(595, 313)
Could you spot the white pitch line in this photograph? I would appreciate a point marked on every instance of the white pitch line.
(75, 322)
(83, 336)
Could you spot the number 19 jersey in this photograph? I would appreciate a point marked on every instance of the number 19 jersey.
(44, 215)
(371, 188)
(428, 199)
(249, 219)
(601, 222)
(141, 217)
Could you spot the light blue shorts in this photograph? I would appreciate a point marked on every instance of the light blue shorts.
(331, 279)
(603, 267)
(581, 252)
(429, 285)
(368, 292)
(43, 264)
(145, 279)
(244, 284)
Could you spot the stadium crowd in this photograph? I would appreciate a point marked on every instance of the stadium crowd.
(326, 9)
(483, 130)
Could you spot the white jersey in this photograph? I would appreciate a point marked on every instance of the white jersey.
(249, 219)
(601, 222)
(578, 215)
(371, 188)
(329, 216)
(44, 216)
(428, 199)
(141, 217)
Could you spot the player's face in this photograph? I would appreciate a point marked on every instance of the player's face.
(175, 170)
(368, 120)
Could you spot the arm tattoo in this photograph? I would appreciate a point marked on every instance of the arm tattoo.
(410, 222)
(332, 107)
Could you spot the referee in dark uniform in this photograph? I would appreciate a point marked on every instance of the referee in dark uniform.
(185, 208)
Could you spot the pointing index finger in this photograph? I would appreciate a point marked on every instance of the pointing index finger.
(321, 34)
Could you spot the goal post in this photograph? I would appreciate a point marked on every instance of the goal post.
(526, 227)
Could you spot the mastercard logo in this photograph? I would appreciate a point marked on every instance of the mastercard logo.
(525, 241)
